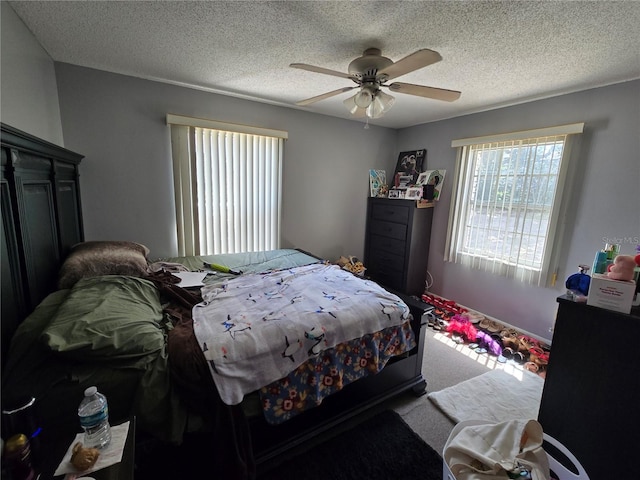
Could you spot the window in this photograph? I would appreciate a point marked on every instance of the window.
(507, 203)
(227, 181)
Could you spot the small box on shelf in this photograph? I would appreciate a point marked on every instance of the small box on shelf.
(616, 295)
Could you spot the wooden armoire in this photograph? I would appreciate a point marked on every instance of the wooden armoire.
(42, 179)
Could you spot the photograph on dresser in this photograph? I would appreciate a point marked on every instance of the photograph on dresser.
(432, 182)
(377, 183)
(413, 193)
(395, 193)
(408, 167)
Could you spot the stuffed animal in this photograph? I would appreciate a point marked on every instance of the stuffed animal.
(84, 458)
(622, 268)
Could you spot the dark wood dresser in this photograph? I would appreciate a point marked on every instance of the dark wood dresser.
(591, 397)
(41, 221)
(397, 244)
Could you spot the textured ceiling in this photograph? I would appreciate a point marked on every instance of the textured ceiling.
(496, 53)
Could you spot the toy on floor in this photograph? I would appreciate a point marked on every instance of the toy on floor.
(461, 325)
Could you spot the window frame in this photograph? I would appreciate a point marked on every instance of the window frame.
(554, 239)
(188, 175)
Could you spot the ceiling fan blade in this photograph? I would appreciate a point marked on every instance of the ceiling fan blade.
(326, 71)
(333, 93)
(427, 92)
(414, 61)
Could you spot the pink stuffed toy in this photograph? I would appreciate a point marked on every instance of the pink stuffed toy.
(622, 267)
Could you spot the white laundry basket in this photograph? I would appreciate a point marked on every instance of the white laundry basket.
(560, 471)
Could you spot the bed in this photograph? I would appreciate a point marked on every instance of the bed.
(129, 328)
(114, 318)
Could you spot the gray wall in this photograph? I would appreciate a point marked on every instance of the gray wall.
(28, 84)
(604, 201)
(118, 123)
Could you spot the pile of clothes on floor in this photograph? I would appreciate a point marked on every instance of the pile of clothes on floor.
(486, 336)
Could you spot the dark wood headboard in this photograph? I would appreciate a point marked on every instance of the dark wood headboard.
(41, 221)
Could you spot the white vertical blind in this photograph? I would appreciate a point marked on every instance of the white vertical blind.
(184, 184)
(228, 189)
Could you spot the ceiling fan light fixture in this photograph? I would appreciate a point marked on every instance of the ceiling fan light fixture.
(381, 104)
(354, 109)
(363, 98)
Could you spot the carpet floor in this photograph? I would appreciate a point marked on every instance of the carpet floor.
(380, 448)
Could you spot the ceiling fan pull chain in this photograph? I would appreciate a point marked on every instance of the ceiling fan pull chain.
(366, 125)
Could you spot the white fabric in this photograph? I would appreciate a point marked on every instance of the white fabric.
(487, 451)
(495, 396)
(255, 329)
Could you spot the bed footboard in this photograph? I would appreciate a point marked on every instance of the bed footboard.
(400, 375)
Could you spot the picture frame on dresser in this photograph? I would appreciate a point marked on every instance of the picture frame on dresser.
(408, 167)
(377, 179)
(413, 193)
(395, 193)
(434, 179)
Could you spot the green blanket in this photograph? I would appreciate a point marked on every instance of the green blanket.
(105, 331)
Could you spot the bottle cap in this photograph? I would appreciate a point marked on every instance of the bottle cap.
(15, 443)
(91, 391)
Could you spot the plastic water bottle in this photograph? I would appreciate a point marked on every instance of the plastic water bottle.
(94, 419)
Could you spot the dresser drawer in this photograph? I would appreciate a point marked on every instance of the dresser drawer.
(390, 213)
(384, 260)
(387, 244)
(389, 229)
(389, 278)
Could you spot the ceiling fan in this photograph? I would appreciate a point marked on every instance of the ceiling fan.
(372, 71)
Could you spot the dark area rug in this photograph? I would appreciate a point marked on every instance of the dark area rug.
(382, 447)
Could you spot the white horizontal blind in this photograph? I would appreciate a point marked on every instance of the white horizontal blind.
(505, 210)
(228, 190)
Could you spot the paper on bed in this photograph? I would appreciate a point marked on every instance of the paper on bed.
(190, 279)
(255, 329)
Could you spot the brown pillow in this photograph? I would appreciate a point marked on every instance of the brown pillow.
(92, 259)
